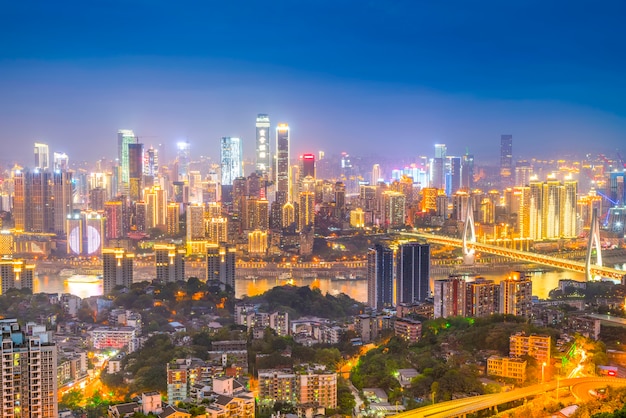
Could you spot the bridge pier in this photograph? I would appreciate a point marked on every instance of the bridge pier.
(594, 242)
(469, 254)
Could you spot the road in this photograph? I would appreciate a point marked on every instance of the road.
(464, 406)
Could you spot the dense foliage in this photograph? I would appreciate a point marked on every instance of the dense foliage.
(304, 301)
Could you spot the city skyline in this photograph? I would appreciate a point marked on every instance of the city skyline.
(452, 74)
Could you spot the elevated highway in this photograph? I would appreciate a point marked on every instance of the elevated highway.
(462, 407)
(545, 260)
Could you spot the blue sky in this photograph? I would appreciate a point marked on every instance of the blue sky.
(350, 76)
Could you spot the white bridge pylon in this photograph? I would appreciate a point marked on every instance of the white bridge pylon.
(469, 253)
(594, 241)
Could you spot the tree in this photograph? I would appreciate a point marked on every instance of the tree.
(71, 399)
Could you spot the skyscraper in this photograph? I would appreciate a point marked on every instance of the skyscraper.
(62, 191)
(467, 171)
(282, 163)
(182, 160)
(117, 269)
(29, 373)
(263, 154)
(231, 157)
(506, 160)
(413, 272)
(42, 156)
(15, 274)
(307, 162)
(170, 263)
(220, 263)
(33, 202)
(124, 138)
(380, 277)
(135, 170)
(438, 167)
(61, 161)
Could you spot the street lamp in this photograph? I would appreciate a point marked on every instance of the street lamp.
(543, 371)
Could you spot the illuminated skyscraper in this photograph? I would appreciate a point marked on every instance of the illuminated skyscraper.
(379, 277)
(16, 274)
(61, 161)
(307, 162)
(135, 170)
(151, 162)
(438, 167)
(506, 160)
(467, 171)
(195, 222)
(231, 157)
(263, 154)
(156, 208)
(117, 269)
(306, 209)
(221, 264)
(216, 229)
(33, 202)
(393, 209)
(523, 172)
(183, 160)
(170, 263)
(29, 373)
(376, 174)
(282, 163)
(125, 137)
(42, 156)
(455, 174)
(413, 272)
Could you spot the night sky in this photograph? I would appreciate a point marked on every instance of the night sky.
(366, 77)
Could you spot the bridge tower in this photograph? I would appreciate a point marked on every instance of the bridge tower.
(594, 241)
(469, 253)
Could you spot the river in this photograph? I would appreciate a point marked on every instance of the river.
(356, 289)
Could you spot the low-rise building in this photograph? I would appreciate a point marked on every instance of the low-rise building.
(408, 329)
(513, 368)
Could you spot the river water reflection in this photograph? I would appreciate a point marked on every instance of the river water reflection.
(356, 289)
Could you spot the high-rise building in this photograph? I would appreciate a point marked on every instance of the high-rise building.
(42, 156)
(29, 373)
(617, 191)
(195, 222)
(523, 173)
(467, 171)
(125, 137)
(85, 233)
(173, 218)
(61, 161)
(33, 202)
(62, 204)
(449, 297)
(394, 206)
(506, 160)
(306, 208)
(220, 263)
(216, 229)
(156, 208)
(16, 274)
(307, 162)
(438, 167)
(282, 163)
(263, 152)
(151, 163)
(117, 269)
(482, 298)
(257, 242)
(231, 158)
(376, 175)
(135, 170)
(170, 263)
(182, 160)
(553, 209)
(380, 277)
(413, 272)
(516, 295)
(455, 174)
